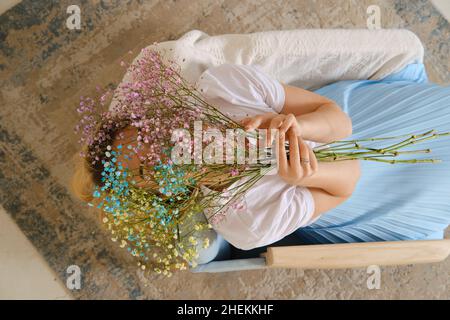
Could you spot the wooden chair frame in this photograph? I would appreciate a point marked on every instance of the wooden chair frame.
(353, 255)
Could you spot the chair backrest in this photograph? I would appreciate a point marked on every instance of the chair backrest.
(353, 255)
(295, 56)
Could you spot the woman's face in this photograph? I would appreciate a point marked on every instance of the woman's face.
(128, 137)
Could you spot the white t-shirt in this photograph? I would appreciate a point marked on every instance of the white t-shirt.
(271, 209)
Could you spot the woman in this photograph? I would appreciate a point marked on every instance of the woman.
(309, 201)
(304, 189)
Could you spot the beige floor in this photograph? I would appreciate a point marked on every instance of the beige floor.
(6, 4)
(24, 274)
(443, 6)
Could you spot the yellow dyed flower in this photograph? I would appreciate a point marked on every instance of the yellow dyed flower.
(192, 240)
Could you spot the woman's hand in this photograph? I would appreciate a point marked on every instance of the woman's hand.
(302, 162)
(281, 122)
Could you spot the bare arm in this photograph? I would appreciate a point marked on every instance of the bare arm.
(313, 116)
(333, 184)
(307, 115)
(320, 118)
(330, 183)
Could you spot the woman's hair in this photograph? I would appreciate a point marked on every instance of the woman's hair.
(82, 180)
(88, 168)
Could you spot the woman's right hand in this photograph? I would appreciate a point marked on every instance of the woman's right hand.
(273, 121)
(302, 161)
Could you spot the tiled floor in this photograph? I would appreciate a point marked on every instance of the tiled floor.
(24, 274)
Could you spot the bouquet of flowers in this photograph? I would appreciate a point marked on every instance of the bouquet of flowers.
(177, 144)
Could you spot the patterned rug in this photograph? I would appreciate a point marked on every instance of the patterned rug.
(45, 67)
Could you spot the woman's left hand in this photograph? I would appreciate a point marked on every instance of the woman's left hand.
(302, 162)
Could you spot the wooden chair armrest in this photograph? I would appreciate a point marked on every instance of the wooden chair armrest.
(353, 255)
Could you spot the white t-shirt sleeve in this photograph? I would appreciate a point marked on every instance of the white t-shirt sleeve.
(270, 209)
(241, 91)
(266, 213)
(242, 85)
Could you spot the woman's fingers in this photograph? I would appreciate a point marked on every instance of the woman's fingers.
(313, 160)
(302, 160)
(304, 157)
(275, 124)
(288, 122)
(281, 155)
(294, 153)
(252, 123)
(246, 121)
(259, 121)
(272, 122)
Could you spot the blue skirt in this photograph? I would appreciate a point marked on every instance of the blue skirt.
(392, 201)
